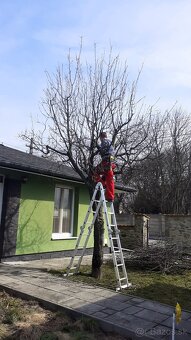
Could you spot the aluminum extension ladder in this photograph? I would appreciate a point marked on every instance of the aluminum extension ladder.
(113, 233)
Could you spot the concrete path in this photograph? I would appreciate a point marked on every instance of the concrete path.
(127, 315)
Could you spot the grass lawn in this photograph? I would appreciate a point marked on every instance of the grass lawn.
(168, 289)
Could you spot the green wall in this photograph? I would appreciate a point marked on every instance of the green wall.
(34, 232)
(36, 216)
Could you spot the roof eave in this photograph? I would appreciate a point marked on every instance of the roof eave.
(44, 174)
(118, 187)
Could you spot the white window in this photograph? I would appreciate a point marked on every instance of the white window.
(63, 213)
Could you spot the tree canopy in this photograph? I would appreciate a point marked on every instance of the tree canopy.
(84, 98)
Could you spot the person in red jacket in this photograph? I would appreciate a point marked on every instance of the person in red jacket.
(104, 171)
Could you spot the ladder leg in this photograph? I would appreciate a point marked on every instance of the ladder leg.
(117, 254)
(77, 247)
(113, 234)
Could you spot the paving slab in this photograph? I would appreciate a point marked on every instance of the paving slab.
(184, 325)
(151, 315)
(131, 322)
(132, 309)
(127, 315)
(153, 306)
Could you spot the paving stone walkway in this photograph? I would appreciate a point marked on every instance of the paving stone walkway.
(127, 315)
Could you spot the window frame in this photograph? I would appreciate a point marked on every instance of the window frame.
(1, 195)
(64, 236)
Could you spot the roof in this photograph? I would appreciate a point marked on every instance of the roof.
(22, 161)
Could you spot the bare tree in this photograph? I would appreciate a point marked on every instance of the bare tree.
(82, 99)
(164, 179)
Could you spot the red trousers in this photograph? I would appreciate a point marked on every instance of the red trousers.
(104, 174)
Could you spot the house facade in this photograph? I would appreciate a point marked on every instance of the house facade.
(42, 206)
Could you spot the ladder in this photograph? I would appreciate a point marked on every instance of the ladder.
(113, 234)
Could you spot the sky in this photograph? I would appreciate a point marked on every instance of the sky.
(35, 36)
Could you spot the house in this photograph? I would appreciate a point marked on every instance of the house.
(42, 206)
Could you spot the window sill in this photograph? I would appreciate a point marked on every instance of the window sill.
(63, 237)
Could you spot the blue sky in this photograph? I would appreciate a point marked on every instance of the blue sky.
(35, 36)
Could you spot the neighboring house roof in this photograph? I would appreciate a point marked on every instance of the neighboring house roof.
(21, 161)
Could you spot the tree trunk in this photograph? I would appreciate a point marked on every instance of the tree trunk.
(97, 259)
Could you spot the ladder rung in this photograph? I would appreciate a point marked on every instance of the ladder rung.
(120, 265)
(73, 268)
(115, 238)
(116, 251)
(123, 278)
